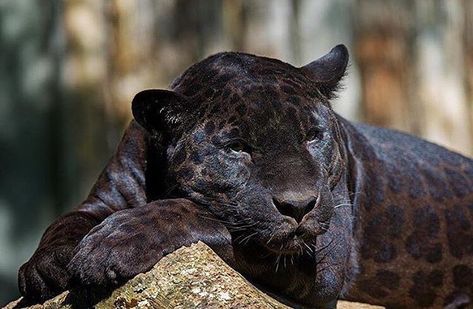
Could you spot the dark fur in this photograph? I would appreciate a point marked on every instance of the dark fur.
(246, 154)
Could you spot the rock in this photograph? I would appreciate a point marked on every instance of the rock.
(191, 277)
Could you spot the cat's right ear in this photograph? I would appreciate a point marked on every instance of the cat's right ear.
(160, 112)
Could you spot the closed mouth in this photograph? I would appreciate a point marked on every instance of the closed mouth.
(293, 246)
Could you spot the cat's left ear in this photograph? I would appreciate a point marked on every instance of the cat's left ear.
(328, 70)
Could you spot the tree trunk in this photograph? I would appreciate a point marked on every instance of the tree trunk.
(383, 43)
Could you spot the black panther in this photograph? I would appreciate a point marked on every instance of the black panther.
(246, 154)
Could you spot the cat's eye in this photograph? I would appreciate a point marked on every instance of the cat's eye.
(237, 146)
(314, 134)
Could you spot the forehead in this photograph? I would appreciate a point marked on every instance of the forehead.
(265, 106)
(239, 72)
(273, 119)
(260, 114)
(252, 96)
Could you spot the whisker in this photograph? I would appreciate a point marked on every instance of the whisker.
(245, 240)
(341, 205)
(301, 249)
(308, 247)
(353, 194)
(270, 238)
(277, 262)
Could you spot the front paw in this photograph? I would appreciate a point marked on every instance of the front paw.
(131, 241)
(45, 274)
(119, 248)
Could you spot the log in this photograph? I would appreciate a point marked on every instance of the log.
(191, 277)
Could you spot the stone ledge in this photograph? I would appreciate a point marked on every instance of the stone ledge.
(191, 277)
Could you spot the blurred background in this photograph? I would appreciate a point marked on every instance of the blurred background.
(69, 69)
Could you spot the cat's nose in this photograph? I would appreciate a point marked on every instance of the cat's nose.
(295, 208)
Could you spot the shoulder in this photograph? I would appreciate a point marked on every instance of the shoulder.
(396, 144)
